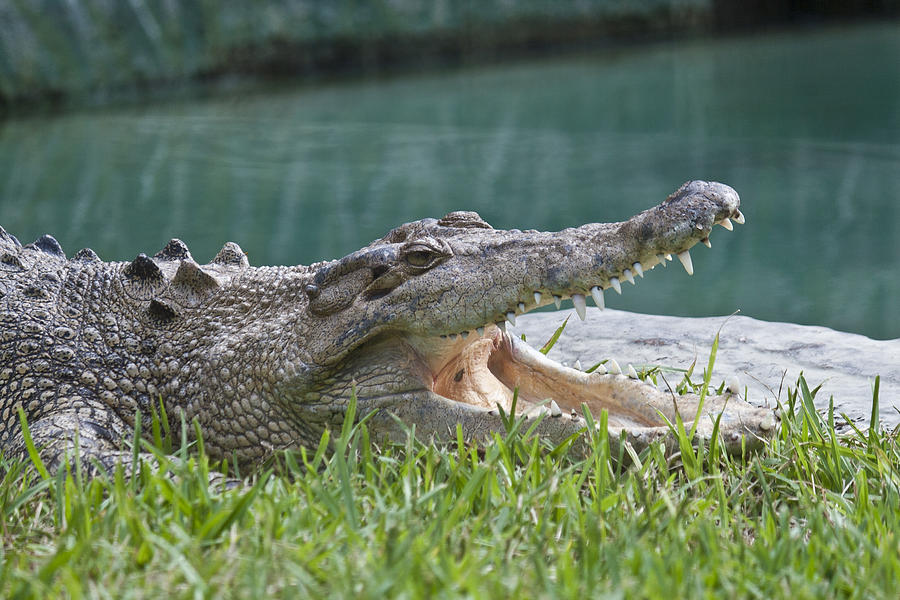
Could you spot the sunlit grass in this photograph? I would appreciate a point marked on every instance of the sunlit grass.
(814, 515)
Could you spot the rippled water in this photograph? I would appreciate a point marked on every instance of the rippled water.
(805, 125)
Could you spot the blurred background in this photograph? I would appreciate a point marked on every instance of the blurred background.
(305, 129)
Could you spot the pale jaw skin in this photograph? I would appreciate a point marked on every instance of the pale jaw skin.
(638, 413)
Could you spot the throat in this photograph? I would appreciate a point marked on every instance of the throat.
(486, 371)
(467, 378)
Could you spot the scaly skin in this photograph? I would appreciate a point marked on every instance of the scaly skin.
(266, 358)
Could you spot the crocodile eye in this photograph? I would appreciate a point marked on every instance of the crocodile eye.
(420, 258)
(422, 255)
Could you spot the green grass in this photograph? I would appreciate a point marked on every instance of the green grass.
(815, 515)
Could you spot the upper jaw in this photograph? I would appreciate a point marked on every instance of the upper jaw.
(546, 268)
(494, 276)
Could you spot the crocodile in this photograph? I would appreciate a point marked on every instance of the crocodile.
(413, 326)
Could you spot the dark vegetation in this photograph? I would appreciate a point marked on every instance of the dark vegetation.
(56, 54)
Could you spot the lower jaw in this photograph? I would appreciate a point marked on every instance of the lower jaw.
(487, 372)
(483, 374)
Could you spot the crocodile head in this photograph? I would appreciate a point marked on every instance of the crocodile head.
(416, 320)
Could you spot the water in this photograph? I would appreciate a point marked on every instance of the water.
(805, 125)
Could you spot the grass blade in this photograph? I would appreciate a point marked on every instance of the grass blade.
(554, 338)
(29, 444)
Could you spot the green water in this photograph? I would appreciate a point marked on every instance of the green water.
(805, 125)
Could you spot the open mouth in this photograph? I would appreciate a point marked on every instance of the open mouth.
(485, 373)
(485, 367)
(488, 371)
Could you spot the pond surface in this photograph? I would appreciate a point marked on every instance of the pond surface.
(805, 125)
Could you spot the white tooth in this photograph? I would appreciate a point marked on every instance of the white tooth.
(734, 384)
(726, 223)
(600, 369)
(768, 422)
(631, 372)
(738, 217)
(685, 258)
(668, 256)
(614, 282)
(480, 331)
(501, 325)
(464, 334)
(521, 307)
(706, 242)
(638, 269)
(628, 276)
(580, 305)
(511, 317)
(661, 258)
(597, 295)
(614, 367)
(557, 300)
(537, 297)
(554, 409)
(577, 365)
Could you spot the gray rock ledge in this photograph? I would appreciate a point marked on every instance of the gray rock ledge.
(766, 357)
